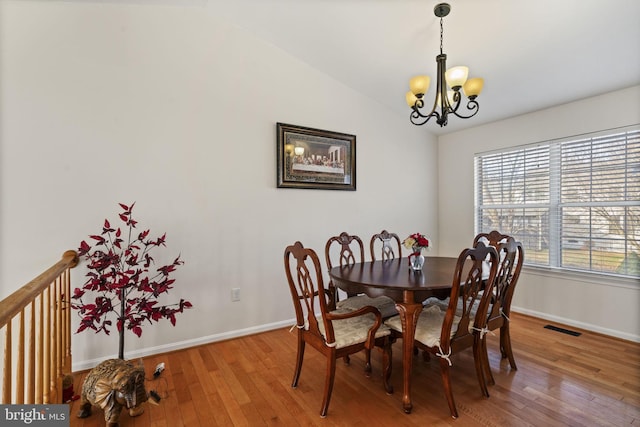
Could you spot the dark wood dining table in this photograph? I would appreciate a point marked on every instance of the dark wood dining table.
(395, 279)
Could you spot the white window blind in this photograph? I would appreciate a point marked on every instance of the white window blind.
(573, 203)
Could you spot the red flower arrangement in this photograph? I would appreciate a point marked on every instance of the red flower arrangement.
(416, 241)
(120, 274)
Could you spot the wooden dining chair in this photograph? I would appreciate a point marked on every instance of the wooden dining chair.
(444, 333)
(389, 244)
(348, 249)
(511, 258)
(510, 277)
(335, 334)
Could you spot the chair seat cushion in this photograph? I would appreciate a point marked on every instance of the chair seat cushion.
(385, 305)
(443, 304)
(353, 330)
(429, 325)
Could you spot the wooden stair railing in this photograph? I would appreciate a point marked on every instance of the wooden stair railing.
(42, 313)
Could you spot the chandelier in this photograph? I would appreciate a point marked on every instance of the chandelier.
(447, 100)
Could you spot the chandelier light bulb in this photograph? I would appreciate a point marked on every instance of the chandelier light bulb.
(411, 99)
(456, 76)
(473, 87)
(419, 85)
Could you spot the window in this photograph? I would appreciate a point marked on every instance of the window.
(574, 203)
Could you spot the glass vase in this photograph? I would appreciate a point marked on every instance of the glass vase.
(416, 259)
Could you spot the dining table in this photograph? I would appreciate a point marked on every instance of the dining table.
(407, 287)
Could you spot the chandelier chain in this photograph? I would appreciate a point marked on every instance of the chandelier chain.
(441, 35)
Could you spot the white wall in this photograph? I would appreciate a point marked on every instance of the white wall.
(168, 106)
(599, 304)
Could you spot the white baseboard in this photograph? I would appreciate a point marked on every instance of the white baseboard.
(150, 351)
(581, 325)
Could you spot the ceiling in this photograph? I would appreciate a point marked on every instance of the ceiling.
(533, 54)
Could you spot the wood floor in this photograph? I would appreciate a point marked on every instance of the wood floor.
(562, 380)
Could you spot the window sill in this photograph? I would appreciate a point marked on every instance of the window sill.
(594, 278)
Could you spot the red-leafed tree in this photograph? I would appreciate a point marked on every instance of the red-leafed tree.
(122, 281)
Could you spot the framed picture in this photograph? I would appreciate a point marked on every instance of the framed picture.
(314, 158)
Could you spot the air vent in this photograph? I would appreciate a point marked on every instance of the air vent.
(563, 330)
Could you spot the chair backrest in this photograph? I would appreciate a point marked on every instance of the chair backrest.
(342, 250)
(472, 292)
(492, 238)
(391, 245)
(511, 256)
(304, 274)
(346, 248)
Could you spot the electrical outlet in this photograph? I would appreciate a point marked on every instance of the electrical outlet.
(235, 294)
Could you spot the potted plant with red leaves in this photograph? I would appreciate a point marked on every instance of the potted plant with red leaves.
(121, 281)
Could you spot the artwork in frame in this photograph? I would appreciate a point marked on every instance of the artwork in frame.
(315, 158)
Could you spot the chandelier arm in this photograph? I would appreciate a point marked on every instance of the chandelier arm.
(456, 100)
(417, 117)
(473, 106)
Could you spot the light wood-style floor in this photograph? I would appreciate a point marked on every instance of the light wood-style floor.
(562, 380)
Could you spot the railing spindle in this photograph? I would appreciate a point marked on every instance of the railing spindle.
(68, 327)
(6, 381)
(59, 360)
(31, 357)
(20, 361)
(47, 347)
(40, 354)
(52, 340)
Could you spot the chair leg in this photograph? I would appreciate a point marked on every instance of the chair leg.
(446, 382)
(347, 360)
(480, 363)
(387, 357)
(328, 384)
(367, 366)
(488, 375)
(505, 346)
(299, 358)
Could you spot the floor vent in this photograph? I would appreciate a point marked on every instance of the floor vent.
(563, 330)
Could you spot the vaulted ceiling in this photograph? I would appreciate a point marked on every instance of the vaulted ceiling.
(532, 54)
